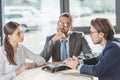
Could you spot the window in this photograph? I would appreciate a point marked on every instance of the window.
(37, 17)
(45, 15)
(85, 10)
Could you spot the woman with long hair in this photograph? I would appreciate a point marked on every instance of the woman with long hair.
(13, 54)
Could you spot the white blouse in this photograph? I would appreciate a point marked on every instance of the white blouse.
(7, 71)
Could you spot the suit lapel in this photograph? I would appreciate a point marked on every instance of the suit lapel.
(58, 49)
(72, 42)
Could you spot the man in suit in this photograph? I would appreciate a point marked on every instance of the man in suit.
(75, 41)
(107, 65)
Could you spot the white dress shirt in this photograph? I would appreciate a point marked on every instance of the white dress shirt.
(67, 45)
(7, 71)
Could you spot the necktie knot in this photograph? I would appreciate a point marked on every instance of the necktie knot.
(64, 42)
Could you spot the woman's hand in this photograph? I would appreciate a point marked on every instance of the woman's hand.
(29, 65)
(25, 66)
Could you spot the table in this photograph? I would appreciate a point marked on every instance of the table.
(39, 74)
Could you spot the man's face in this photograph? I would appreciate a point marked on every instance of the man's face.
(95, 36)
(64, 25)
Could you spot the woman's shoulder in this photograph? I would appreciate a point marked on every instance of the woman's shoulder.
(20, 45)
(2, 50)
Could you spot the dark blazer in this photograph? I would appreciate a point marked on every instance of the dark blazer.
(77, 44)
(107, 65)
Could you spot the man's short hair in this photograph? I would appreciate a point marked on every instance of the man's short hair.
(66, 14)
(104, 25)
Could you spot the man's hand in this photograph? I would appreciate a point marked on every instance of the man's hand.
(59, 35)
(72, 62)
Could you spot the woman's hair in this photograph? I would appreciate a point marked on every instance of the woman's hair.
(66, 14)
(104, 25)
(9, 29)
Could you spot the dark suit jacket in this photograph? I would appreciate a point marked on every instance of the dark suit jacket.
(107, 65)
(77, 44)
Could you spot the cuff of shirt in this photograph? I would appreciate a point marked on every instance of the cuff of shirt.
(81, 62)
(79, 67)
(13, 74)
(50, 43)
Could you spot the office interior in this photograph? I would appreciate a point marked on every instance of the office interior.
(47, 13)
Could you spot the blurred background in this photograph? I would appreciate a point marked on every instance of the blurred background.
(39, 17)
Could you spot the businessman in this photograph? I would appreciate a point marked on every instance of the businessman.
(107, 65)
(65, 43)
